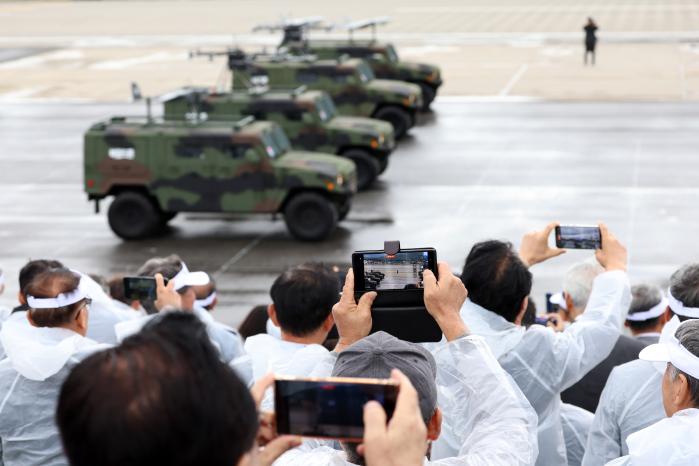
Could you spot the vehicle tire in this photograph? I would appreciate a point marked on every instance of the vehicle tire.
(167, 216)
(310, 216)
(383, 164)
(367, 167)
(428, 95)
(343, 209)
(399, 118)
(133, 215)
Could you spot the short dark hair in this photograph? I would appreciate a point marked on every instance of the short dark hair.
(49, 284)
(33, 268)
(688, 336)
(303, 297)
(255, 322)
(496, 278)
(149, 401)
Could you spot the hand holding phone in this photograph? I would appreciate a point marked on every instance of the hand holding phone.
(578, 237)
(140, 288)
(535, 246)
(352, 319)
(331, 407)
(443, 300)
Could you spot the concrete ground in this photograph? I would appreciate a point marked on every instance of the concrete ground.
(472, 171)
(501, 49)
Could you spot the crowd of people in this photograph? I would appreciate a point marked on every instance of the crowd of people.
(91, 377)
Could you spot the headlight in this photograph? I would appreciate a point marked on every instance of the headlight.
(340, 180)
(409, 101)
(382, 139)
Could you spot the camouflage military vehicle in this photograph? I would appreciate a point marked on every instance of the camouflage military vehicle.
(309, 119)
(156, 169)
(350, 83)
(381, 56)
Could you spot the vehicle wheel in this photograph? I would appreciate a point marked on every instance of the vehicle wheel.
(428, 95)
(398, 117)
(383, 164)
(310, 216)
(344, 209)
(167, 216)
(367, 167)
(133, 215)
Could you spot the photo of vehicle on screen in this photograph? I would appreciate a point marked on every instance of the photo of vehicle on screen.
(400, 272)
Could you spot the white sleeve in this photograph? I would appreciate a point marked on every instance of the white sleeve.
(604, 440)
(576, 423)
(559, 360)
(311, 453)
(484, 412)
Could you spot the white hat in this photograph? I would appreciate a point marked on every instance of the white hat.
(559, 299)
(186, 278)
(670, 350)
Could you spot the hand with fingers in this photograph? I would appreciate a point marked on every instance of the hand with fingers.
(167, 296)
(353, 319)
(443, 300)
(271, 445)
(613, 254)
(535, 246)
(401, 442)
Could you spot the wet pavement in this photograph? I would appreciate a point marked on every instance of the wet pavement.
(473, 170)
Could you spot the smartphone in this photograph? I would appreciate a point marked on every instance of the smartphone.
(330, 408)
(378, 271)
(578, 237)
(140, 288)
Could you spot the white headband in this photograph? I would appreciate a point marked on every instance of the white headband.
(673, 352)
(652, 313)
(678, 308)
(2, 278)
(62, 300)
(208, 301)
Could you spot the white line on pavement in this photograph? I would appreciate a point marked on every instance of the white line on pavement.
(513, 80)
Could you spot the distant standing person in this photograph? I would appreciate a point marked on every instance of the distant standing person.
(590, 39)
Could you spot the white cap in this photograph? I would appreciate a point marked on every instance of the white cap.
(186, 278)
(670, 350)
(558, 299)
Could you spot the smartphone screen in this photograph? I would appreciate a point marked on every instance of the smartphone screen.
(578, 237)
(140, 288)
(377, 271)
(329, 408)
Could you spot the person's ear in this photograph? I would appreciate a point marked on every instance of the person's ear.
(522, 311)
(21, 298)
(626, 324)
(272, 314)
(434, 427)
(328, 323)
(569, 302)
(81, 319)
(135, 305)
(682, 395)
(667, 315)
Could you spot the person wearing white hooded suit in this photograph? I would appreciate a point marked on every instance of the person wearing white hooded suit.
(543, 362)
(42, 346)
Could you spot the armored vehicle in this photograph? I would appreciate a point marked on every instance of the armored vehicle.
(309, 119)
(350, 83)
(156, 169)
(381, 56)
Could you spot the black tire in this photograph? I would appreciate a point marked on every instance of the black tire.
(428, 95)
(399, 118)
(367, 167)
(167, 216)
(343, 210)
(310, 216)
(383, 164)
(133, 215)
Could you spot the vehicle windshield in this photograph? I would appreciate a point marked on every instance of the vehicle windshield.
(391, 54)
(364, 72)
(276, 142)
(326, 108)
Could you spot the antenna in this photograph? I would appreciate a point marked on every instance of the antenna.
(149, 115)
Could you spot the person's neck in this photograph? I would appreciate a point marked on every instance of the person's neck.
(317, 338)
(74, 328)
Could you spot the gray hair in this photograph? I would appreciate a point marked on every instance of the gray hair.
(644, 297)
(684, 285)
(688, 336)
(578, 280)
(167, 266)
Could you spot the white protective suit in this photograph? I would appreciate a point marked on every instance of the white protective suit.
(576, 424)
(38, 360)
(483, 411)
(632, 400)
(270, 354)
(544, 363)
(672, 441)
(226, 340)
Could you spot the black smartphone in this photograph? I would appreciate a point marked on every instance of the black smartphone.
(578, 237)
(331, 408)
(140, 288)
(380, 272)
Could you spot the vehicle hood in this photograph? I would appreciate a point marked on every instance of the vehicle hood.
(328, 165)
(420, 70)
(361, 126)
(398, 90)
